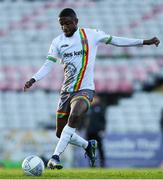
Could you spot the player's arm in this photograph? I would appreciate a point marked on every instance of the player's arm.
(44, 70)
(46, 67)
(102, 37)
(127, 42)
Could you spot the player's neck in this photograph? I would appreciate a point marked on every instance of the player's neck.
(75, 30)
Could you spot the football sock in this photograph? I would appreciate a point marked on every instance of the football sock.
(78, 141)
(66, 135)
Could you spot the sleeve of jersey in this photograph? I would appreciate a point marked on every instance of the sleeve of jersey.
(47, 66)
(53, 54)
(44, 70)
(124, 42)
(101, 36)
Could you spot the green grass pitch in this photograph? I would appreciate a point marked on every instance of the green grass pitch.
(96, 173)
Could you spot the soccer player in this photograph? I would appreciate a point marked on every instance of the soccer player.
(76, 49)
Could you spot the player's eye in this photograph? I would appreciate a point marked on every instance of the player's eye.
(68, 23)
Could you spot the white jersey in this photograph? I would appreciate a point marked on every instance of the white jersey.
(77, 53)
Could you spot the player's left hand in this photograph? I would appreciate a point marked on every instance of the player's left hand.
(154, 41)
(29, 83)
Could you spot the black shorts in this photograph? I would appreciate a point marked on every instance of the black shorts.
(67, 98)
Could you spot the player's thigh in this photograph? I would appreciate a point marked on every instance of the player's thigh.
(81, 101)
(78, 107)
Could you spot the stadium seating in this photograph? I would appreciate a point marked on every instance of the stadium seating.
(28, 28)
(121, 75)
(27, 110)
(139, 114)
(26, 31)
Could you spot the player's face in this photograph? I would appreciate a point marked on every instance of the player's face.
(68, 25)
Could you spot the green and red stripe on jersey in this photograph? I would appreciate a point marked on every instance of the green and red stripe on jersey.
(85, 49)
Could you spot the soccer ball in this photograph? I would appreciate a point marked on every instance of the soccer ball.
(33, 166)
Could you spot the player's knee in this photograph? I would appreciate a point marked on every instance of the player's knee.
(73, 119)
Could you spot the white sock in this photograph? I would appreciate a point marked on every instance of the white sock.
(66, 135)
(78, 141)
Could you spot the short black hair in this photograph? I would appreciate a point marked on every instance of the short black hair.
(67, 12)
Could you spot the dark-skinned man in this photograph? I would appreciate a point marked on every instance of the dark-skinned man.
(76, 49)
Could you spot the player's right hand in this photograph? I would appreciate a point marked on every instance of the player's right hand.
(28, 84)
